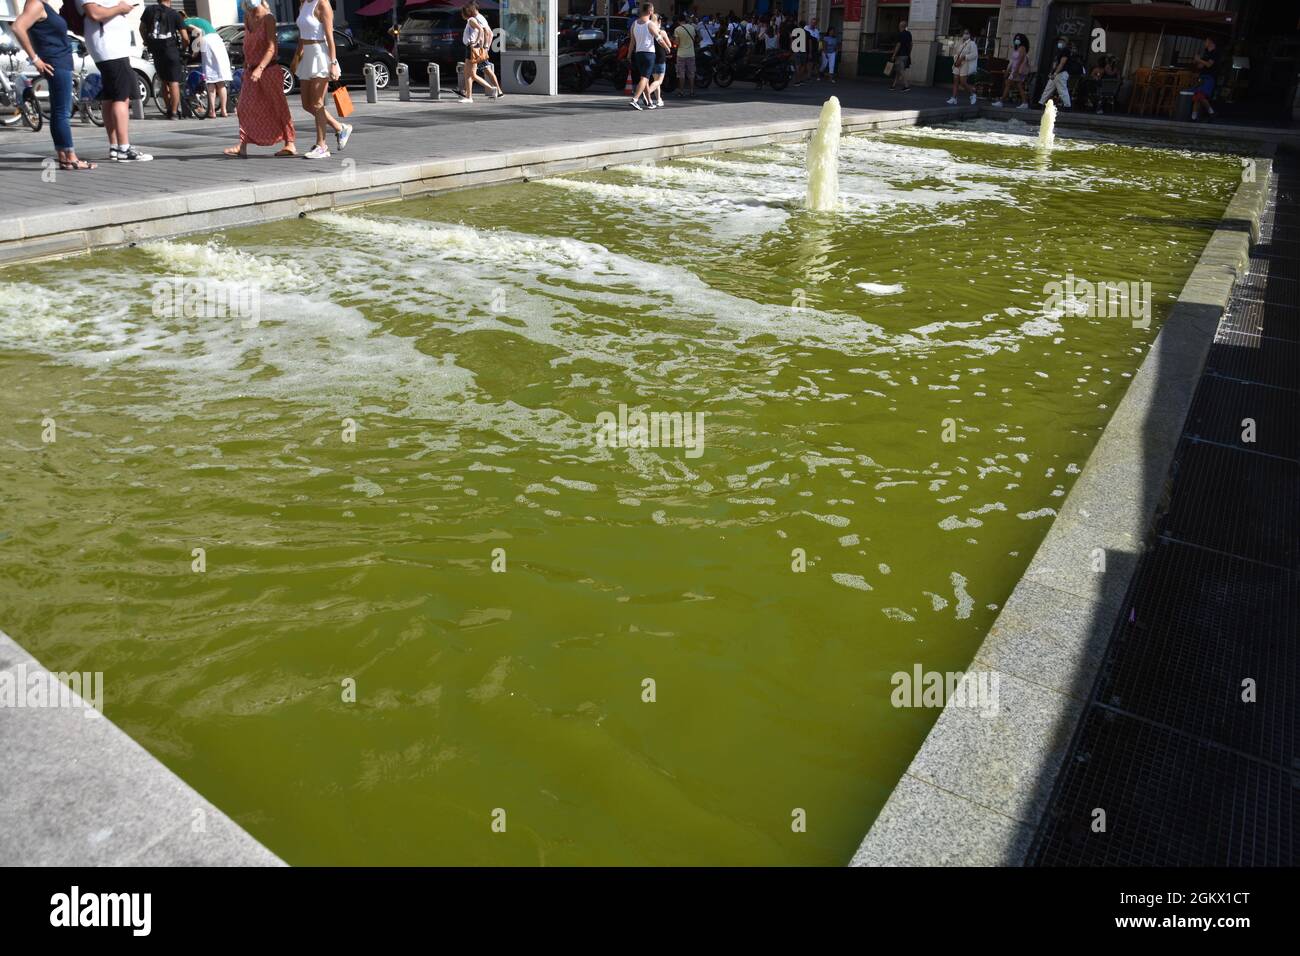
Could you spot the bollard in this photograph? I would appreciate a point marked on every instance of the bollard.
(403, 83)
(435, 81)
(137, 104)
(372, 89)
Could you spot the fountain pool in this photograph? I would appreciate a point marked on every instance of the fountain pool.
(498, 585)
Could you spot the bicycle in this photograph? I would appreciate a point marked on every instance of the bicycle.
(16, 93)
(85, 93)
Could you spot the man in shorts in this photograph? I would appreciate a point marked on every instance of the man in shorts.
(110, 39)
(165, 34)
(685, 36)
(901, 58)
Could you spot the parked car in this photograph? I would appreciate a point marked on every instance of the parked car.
(144, 72)
(433, 36)
(353, 56)
(232, 35)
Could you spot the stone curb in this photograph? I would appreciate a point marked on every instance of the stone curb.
(77, 791)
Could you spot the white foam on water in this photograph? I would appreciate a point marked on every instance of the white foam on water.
(880, 288)
(855, 581)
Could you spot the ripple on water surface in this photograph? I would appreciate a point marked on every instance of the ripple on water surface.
(892, 410)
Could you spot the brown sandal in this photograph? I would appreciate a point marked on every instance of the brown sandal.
(287, 151)
(236, 151)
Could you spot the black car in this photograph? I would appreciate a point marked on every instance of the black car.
(434, 36)
(353, 55)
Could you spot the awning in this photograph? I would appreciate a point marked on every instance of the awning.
(378, 8)
(1172, 18)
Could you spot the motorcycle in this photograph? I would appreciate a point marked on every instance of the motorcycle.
(611, 63)
(740, 62)
(576, 71)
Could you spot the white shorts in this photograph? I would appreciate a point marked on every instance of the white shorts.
(315, 62)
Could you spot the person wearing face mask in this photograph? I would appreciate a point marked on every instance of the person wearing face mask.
(963, 68)
(263, 111)
(1017, 71)
(1058, 81)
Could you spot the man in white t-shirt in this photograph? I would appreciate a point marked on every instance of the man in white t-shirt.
(110, 40)
(963, 68)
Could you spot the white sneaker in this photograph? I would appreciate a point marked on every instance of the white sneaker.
(343, 135)
(952, 101)
(1023, 106)
(318, 152)
(997, 103)
(127, 154)
(973, 99)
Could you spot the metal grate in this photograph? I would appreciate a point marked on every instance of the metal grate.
(1169, 799)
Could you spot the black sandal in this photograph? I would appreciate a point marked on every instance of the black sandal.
(77, 164)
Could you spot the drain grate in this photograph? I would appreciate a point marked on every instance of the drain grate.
(1221, 405)
(1272, 287)
(1238, 502)
(1169, 799)
(1250, 357)
(1200, 623)
(1251, 316)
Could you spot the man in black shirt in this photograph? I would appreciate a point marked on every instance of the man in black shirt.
(164, 31)
(1207, 61)
(901, 57)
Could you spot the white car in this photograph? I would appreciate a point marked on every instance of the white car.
(144, 71)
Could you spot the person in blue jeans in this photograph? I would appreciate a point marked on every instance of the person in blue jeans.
(44, 36)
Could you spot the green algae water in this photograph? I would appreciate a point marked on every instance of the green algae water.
(395, 477)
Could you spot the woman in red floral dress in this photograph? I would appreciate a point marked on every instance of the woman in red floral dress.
(263, 111)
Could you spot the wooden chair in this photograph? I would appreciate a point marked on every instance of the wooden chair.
(1141, 92)
(1174, 83)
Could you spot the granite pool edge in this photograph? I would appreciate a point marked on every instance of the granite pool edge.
(977, 787)
(78, 791)
(65, 232)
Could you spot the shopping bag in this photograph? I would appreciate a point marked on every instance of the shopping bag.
(343, 101)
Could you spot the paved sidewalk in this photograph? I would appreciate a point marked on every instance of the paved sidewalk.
(187, 153)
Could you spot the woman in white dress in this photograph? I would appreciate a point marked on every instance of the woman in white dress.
(216, 70)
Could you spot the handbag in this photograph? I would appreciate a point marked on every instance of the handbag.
(343, 101)
(889, 68)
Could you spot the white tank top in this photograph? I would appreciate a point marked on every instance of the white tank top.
(309, 28)
(645, 40)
